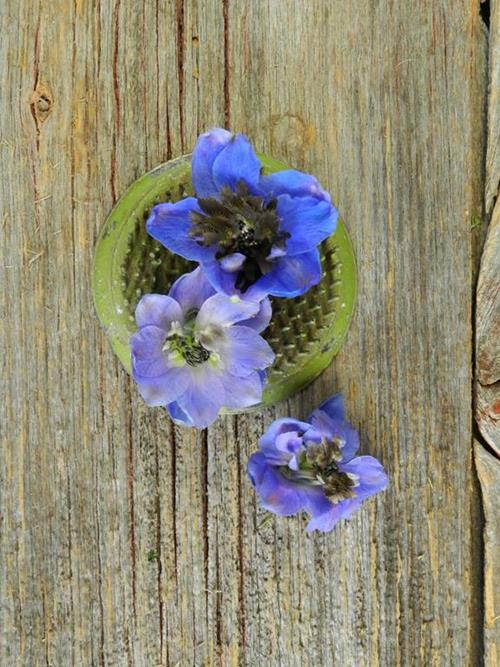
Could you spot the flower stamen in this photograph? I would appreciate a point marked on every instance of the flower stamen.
(319, 465)
(240, 223)
(186, 345)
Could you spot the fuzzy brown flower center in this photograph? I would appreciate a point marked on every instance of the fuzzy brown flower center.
(318, 466)
(238, 222)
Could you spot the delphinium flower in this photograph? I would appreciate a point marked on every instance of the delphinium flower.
(196, 351)
(254, 235)
(312, 466)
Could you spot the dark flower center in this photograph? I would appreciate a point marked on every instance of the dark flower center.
(189, 348)
(318, 465)
(240, 223)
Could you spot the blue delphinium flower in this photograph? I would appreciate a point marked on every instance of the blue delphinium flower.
(196, 351)
(311, 466)
(254, 235)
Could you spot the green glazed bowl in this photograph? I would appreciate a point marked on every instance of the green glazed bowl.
(305, 333)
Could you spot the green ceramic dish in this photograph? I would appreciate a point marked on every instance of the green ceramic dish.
(305, 332)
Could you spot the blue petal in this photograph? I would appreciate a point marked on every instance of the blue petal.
(147, 343)
(232, 263)
(236, 162)
(289, 443)
(163, 389)
(170, 224)
(242, 392)
(178, 415)
(275, 492)
(207, 148)
(279, 426)
(268, 442)
(245, 351)
(290, 276)
(372, 477)
(158, 382)
(327, 521)
(333, 406)
(159, 310)
(332, 428)
(223, 311)
(309, 221)
(203, 398)
(316, 503)
(191, 290)
(222, 281)
(260, 321)
(293, 183)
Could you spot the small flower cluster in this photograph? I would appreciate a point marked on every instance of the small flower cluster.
(312, 466)
(199, 348)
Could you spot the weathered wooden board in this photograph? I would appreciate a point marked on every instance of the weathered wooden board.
(488, 337)
(127, 541)
(492, 183)
(487, 396)
(488, 470)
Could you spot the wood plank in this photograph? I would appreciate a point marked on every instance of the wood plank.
(487, 410)
(487, 387)
(127, 541)
(493, 147)
(488, 470)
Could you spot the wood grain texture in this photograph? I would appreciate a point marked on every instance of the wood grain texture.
(493, 146)
(488, 337)
(128, 541)
(488, 470)
(488, 288)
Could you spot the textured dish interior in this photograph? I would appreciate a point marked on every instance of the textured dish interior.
(298, 325)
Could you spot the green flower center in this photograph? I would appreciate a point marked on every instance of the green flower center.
(186, 344)
(240, 223)
(318, 466)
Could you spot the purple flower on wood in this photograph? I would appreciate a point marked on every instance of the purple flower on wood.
(311, 466)
(196, 351)
(254, 235)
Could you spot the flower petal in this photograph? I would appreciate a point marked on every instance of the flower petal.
(279, 426)
(269, 441)
(242, 392)
(158, 382)
(178, 415)
(290, 276)
(207, 148)
(163, 389)
(236, 162)
(170, 224)
(333, 406)
(203, 397)
(275, 492)
(289, 443)
(326, 521)
(308, 221)
(232, 263)
(294, 183)
(244, 351)
(222, 310)
(222, 281)
(337, 428)
(260, 321)
(372, 476)
(159, 310)
(191, 290)
(146, 344)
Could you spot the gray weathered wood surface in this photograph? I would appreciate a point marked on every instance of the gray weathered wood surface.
(487, 375)
(488, 470)
(128, 541)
